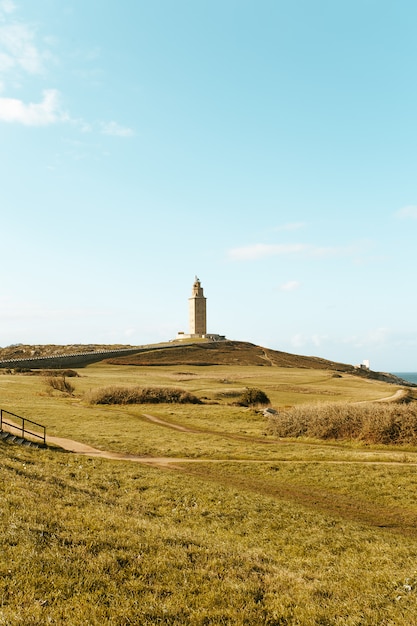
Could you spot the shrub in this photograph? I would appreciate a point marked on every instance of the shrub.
(60, 384)
(253, 396)
(70, 373)
(138, 395)
(66, 373)
(371, 422)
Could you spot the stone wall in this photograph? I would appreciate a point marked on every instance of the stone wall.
(80, 359)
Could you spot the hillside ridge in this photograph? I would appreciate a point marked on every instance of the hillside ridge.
(207, 353)
(244, 353)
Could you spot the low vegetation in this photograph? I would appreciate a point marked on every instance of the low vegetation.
(376, 423)
(139, 395)
(59, 383)
(254, 397)
(89, 541)
(242, 525)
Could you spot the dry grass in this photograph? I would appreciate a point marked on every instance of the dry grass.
(123, 428)
(101, 543)
(226, 353)
(59, 383)
(279, 533)
(375, 423)
(139, 395)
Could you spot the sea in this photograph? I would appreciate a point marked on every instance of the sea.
(410, 376)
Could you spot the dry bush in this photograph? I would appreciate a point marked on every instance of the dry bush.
(70, 373)
(372, 422)
(138, 395)
(253, 396)
(56, 372)
(60, 383)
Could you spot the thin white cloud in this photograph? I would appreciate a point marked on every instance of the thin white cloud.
(21, 55)
(291, 285)
(408, 212)
(374, 337)
(19, 50)
(261, 250)
(318, 340)
(7, 6)
(328, 251)
(116, 130)
(43, 113)
(6, 62)
(50, 111)
(298, 340)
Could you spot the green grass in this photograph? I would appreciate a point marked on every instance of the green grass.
(278, 532)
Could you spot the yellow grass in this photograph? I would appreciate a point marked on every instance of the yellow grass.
(246, 529)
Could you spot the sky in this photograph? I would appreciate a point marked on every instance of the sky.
(268, 147)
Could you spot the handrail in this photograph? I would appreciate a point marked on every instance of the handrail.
(23, 428)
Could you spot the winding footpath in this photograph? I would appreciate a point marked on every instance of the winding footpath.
(78, 447)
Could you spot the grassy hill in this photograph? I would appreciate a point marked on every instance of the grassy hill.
(211, 517)
(224, 353)
(242, 353)
(197, 353)
(173, 353)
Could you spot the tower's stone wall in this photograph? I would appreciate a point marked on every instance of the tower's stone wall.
(197, 310)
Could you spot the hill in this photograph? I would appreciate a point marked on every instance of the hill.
(178, 353)
(241, 353)
(223, 353)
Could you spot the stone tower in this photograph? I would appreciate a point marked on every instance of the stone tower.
(197, 308)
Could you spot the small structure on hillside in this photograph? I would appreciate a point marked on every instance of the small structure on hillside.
(197, 312)
(365, 365)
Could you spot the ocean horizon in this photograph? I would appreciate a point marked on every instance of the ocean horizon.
(410, 376)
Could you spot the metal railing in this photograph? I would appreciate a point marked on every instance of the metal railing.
(22, 428)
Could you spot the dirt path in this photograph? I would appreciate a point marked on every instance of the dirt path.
(77, 447)
(266, 357)
(157, 420)
(201, 431)
(398, 395)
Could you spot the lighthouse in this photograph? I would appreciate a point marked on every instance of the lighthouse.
(198, 316)
(197, 310)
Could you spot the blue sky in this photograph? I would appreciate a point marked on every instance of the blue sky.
(268, 147)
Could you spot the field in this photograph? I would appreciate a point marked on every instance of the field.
(214, 520)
